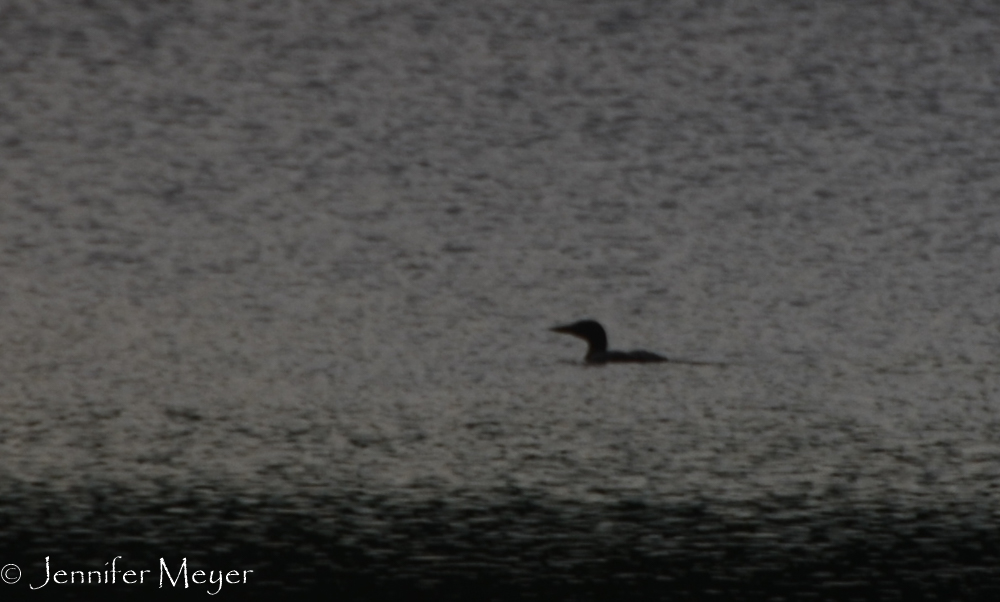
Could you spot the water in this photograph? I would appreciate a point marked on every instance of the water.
(277, 282)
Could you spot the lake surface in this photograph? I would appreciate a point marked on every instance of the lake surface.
(277, 282)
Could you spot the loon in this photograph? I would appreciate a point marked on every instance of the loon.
(597, 339)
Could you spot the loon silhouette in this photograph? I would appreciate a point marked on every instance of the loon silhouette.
(597, 340)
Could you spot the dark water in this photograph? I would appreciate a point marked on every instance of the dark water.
(276, 282)
(511, 545)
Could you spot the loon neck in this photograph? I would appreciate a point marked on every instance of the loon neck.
(597, 345)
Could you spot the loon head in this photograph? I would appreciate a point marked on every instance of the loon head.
(588, 330)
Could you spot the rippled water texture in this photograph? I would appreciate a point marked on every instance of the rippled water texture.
(277, 279)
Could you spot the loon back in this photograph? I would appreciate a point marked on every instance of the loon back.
(597, 341)
(637, 356)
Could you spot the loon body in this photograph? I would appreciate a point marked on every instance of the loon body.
(597, 341)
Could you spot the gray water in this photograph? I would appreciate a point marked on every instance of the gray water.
(294, 264)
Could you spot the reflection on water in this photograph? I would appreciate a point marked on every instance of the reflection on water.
(513, 545)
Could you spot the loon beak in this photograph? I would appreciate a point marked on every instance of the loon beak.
(567, 329)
